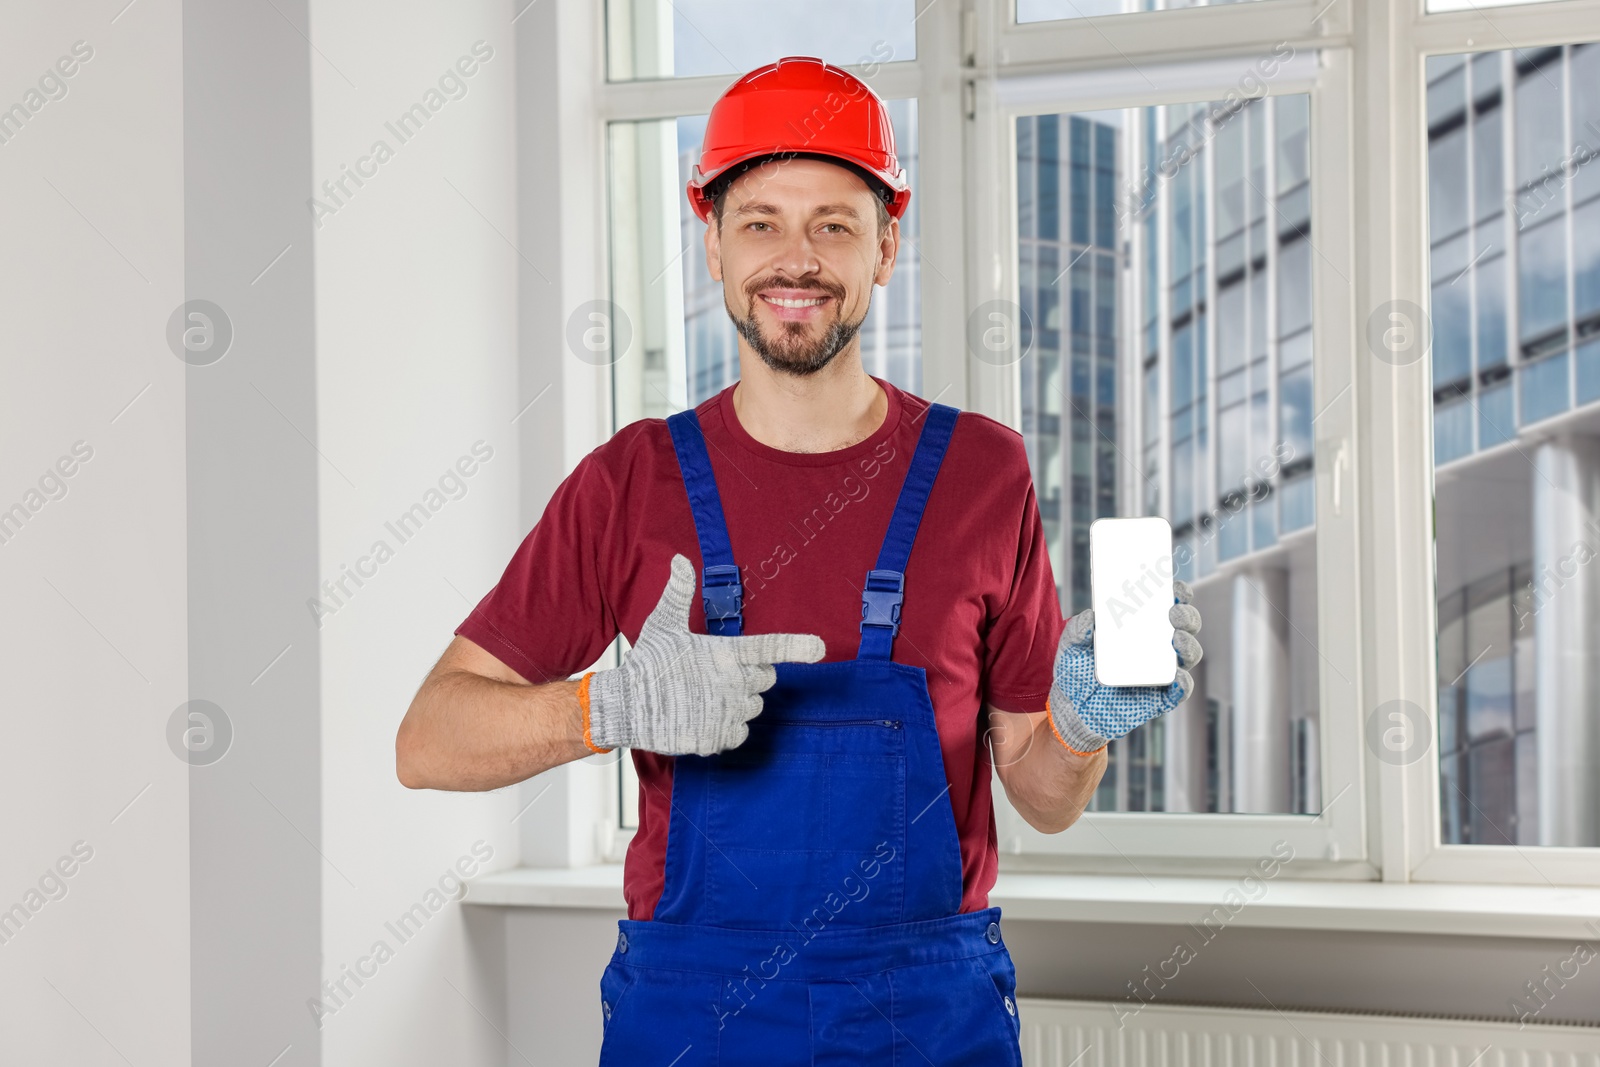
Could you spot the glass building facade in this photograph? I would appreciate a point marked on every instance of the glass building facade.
(1514, 228)
(1165, 270)
(1067, 270)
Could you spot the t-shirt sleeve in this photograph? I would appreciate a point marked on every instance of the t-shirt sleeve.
(549, 616)
(1020, 647)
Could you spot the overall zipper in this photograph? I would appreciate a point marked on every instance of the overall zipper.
(892, 724)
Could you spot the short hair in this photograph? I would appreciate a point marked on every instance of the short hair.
(880, 193)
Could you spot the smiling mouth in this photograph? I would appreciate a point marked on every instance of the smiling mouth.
(786, 302)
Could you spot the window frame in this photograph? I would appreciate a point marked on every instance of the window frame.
(1331, 843)
(1374, 440)
(1473, 31)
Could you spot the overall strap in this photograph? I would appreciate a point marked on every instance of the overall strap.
(884, 591)
(721, 592)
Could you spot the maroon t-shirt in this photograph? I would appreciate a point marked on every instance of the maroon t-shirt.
(980, 616)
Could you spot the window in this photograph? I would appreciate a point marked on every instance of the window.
(1224, 206)
(1516, 529)
(1046, 10)
(1488, 763)
(723, 38)
(1472, 5)
(1193, 286)
(1069, 301)
(1212, 372)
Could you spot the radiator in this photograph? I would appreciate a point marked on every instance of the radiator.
(1078, 1033)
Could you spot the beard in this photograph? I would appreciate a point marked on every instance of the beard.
(791, 351)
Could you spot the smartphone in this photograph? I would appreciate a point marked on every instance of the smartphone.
(1130, 577)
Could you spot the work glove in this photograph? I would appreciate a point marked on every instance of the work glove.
(1085, 713)
(681, 693)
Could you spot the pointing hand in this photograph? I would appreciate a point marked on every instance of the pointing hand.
(683, 693)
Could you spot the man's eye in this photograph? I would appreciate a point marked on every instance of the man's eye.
(753, 225)
(836, 227)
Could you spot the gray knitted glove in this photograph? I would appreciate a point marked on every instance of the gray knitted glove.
(1087, 714)
(681, 693)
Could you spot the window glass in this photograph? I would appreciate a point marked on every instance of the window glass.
(1486, 76)
(1588, 372)
(1258, 311)
(1451, 258)
(1294, 150)
(1497, 421)
(1586, 261)
(1585, 70)
(1294, 287)
(1487, 162)
(1539, 113)
(1294, 399)
(1082, 184)
(1544, 388)
(1518, 610)
(1048, 10)
(1542, 256)
(1047, 182)
(1447, 183)
(1491, 312)
(691, 38)
(1452, 334)
(1230, 328)
(1170, 246)
(1434, 6)
(1452, 431)
(1447, 90)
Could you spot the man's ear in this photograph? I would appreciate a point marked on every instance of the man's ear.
(713, 243)
(889, 250)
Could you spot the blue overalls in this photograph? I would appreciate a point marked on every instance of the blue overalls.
(809, 915)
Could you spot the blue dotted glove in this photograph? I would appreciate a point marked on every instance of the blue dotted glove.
(1087, 714)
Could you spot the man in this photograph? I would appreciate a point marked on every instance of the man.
(816, 843)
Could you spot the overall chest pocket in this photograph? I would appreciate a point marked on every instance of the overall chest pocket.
(806, 824)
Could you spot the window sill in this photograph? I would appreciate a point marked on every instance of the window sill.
(1383, 907)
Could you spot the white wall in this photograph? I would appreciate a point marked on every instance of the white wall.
(93, 586)
(368, 358)
(416, 288)
(553, 959)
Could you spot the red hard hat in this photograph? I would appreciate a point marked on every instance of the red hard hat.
(800, 106)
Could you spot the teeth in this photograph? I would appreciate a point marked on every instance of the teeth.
(793, 303)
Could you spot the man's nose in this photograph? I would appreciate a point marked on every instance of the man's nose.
(797, 258)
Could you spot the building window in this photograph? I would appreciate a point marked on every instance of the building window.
(1049, 10)
(1487, 754)
(1516, 440)
(700, 38)
(1193, 221)
(1069, 296)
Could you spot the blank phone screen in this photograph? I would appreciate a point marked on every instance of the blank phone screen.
(1130, 571)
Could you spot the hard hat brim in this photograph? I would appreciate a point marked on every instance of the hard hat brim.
(703, 189)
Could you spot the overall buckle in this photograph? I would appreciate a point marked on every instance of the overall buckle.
(881, 600)
(722, 594)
